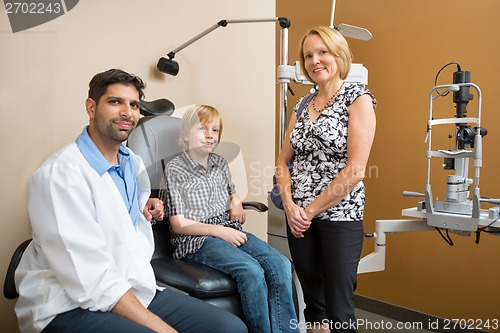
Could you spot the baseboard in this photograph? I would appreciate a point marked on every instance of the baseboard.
(401, 314)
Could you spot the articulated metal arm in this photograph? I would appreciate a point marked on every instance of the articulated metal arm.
(375, 261)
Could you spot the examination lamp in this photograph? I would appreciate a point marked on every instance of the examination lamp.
(171, 67)
(348, 30)
(168, 66)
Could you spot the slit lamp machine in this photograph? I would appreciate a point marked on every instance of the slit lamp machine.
(460, 211)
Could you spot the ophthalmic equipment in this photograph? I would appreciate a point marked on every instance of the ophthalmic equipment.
(460, 211)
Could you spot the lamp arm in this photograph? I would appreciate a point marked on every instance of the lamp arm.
(170, 66)
(284, 22)
(221, 23)
(333, 14)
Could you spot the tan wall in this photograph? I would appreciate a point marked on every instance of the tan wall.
(45, 73)
(411, 41)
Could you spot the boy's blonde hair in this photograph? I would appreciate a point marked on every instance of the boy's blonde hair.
(203, 114)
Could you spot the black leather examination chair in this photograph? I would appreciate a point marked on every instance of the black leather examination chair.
(156, 140)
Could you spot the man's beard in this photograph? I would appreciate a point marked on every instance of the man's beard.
(111, 131)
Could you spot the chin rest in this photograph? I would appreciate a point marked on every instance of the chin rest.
(157, 107)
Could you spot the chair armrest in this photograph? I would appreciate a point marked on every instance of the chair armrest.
(9, 287)
(197, 280)
(255, 205)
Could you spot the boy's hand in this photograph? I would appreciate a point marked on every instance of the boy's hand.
(236, 211)
(232, 236)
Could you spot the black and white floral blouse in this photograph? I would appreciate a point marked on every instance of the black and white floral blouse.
(321, 153)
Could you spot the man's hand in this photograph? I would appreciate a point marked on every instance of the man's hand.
(128, 306)
(154, 209)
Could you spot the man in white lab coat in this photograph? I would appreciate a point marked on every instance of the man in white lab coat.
(88, 266)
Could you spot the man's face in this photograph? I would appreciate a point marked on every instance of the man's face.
(116, 113)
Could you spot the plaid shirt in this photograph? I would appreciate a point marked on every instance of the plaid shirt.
(198, 194)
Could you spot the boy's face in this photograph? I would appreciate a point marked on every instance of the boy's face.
(204, 137)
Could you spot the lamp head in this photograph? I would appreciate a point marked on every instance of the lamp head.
(168, 66)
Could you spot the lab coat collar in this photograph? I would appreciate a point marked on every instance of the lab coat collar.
(92, 154)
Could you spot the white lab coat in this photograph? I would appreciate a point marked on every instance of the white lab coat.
(85, 251)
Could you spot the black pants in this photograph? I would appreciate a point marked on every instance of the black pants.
(184, 313)
(326, 262)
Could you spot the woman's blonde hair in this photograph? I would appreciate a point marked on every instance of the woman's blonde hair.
(336, 44)
(202, 114)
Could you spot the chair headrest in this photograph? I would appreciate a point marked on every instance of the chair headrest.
(156, 141)
(157, 107)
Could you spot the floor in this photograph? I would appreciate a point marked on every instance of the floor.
(376, 316)
(372, 322)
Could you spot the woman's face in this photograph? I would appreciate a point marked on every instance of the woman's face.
(319, 63)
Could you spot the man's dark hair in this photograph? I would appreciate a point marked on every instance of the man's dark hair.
(100, 82)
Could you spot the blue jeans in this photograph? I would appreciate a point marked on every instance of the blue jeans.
(263, 276)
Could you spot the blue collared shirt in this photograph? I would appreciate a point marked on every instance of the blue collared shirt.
(123, 174)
